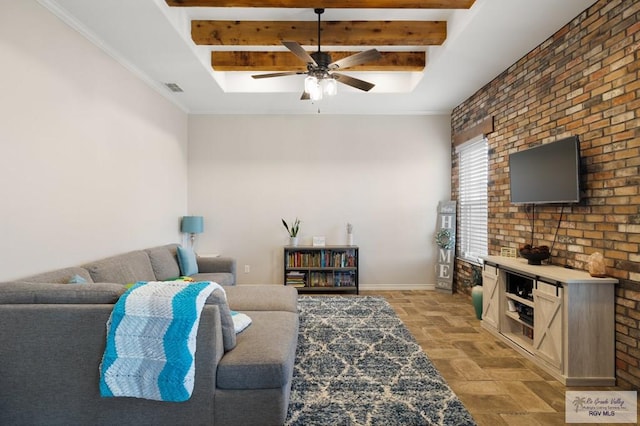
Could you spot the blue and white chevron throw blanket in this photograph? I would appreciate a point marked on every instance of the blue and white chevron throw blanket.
(151, 341)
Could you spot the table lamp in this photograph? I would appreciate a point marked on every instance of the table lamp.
(192, 225)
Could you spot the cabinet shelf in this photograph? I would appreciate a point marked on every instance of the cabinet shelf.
(329, 269)
(514, 316)
(519, 299)
(521, 340)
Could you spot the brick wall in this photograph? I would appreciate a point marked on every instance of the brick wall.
(585, 81)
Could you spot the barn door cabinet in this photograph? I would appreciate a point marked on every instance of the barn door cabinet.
(561, 319)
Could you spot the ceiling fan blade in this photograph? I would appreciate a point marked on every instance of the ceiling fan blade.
(305, 96)
(353, 82)
(297, 50)
(277, 74)
(356, 59)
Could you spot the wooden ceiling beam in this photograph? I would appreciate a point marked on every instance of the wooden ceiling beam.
(286, 61)
(334, 33)
(329, 4)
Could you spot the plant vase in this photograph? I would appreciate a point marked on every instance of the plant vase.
(476, 299)
(293, 241)
(349, 239)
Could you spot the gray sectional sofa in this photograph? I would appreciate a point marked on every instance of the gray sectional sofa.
(53, 333)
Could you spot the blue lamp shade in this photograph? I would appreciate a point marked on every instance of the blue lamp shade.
(192, 224)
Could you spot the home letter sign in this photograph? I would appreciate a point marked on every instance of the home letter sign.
(446, 245)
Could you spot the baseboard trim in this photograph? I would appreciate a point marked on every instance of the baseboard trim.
(391, 287)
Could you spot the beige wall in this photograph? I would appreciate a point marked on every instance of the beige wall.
(384, 174)
(92, 161)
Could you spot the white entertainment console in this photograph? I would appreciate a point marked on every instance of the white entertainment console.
(561, 319)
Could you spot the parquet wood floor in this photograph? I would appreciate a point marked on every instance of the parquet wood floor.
(496, 384)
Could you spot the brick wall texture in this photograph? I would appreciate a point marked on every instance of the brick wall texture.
(585, 81)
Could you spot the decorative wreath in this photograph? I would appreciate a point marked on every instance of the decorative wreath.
(444, 239)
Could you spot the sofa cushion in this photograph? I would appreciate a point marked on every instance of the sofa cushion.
(218, 297)
(124, 268)
(187, 261)
(59, 276)
(47, 293)
(164, 262)
(264, 354)
(222, 278)
(263, 298)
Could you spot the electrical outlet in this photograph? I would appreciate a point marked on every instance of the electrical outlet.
(247, 269)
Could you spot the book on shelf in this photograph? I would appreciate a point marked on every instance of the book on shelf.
(321, 279)
(344, 279)
(295, 279)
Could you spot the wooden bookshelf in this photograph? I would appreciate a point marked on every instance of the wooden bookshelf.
(328, 269)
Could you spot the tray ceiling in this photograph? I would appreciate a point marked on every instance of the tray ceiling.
(435, 53)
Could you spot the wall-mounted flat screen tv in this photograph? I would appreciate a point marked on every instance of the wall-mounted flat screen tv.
(548, 173)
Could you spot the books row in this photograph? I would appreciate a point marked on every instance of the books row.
(321, 279)
(321, 259)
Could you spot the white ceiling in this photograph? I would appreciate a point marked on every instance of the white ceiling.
(153, 40)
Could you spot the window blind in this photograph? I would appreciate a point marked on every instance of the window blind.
(473, 199)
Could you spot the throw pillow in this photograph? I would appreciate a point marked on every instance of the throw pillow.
(76, 279)
(184, 278)
(187, 261)
(240, 321)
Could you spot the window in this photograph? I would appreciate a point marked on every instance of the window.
(472, 198)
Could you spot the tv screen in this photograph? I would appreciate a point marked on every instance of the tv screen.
(548, 173)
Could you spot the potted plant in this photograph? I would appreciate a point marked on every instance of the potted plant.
(293, 231)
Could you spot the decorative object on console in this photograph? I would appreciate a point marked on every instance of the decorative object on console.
(318, 241)
(349, 234)
(508, 251)
(293, 231)
(596, 265)
(476, 290)
(192, 225)
(535, 255)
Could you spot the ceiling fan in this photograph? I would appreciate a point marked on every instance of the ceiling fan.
(321, 78)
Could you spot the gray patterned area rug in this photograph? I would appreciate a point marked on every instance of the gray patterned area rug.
(358, 364)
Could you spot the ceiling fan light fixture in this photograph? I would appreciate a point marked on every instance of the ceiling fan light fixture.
(329, 86)
(315, 94)
(310, 84)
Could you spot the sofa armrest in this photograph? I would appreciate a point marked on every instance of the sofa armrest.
(51, 373)
(209, 264)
